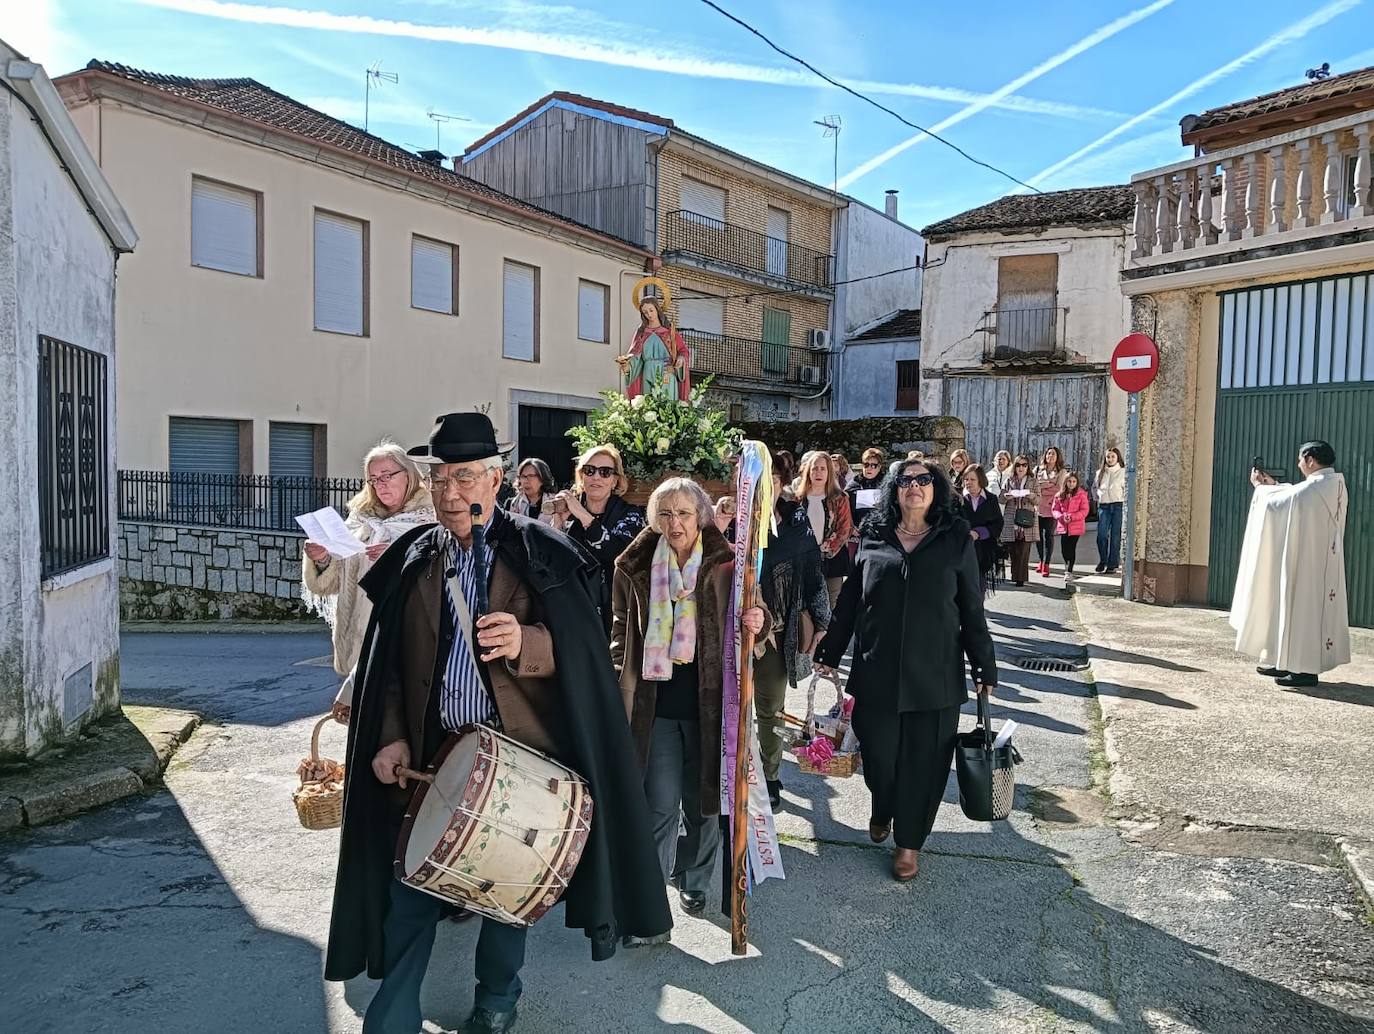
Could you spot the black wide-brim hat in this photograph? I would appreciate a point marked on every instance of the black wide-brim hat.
(460, 438)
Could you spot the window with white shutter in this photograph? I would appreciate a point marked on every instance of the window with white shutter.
(704, 315)
(702, 200)
(593, 311)
(224, 227)
(433, 275)
(340, 274)
(520, 312)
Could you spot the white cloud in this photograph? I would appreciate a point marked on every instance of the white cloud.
(1290, 34)
(34, 28)
(1006, 90)
(582, 48)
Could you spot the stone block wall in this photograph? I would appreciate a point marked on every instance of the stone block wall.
(172, 572)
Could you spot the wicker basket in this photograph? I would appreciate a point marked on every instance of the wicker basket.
(319, 810)
(841, 766)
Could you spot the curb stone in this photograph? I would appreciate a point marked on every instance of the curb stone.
(117, 758)
(1358, 856)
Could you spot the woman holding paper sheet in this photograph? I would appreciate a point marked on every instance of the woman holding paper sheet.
(915, 605)
(1019, 496)
(392, 501)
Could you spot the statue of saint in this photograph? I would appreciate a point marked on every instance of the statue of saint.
(658, 363)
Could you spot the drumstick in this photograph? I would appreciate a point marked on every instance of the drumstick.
(401, 772)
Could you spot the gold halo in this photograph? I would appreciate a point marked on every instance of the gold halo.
(667, 292)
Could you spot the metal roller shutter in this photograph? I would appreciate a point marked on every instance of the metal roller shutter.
(203, 446)
(704, 200)
(291, 450)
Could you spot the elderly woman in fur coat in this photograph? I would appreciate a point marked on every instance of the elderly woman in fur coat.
(392, 502)
(668, 615)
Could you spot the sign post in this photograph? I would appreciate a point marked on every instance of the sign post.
(1135, 365)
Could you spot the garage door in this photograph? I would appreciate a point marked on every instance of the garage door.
(1296, 362)
(203, 446)
(1029, 414)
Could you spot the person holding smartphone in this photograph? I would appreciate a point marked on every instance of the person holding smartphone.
(915, 604)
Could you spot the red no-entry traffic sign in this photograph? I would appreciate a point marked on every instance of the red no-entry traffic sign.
(1135, 362)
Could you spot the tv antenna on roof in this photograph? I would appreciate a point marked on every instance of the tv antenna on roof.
(439, 120)
(1317, 74)
(831, 125)
(375, 74)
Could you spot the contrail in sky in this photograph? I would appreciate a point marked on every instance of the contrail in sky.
(992, 99)
(1291, 34)
(651, 59)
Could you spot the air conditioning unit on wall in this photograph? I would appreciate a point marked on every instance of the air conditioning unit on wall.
(808, 374)
(818, 340)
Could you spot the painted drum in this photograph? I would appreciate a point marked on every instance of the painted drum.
(499, 831)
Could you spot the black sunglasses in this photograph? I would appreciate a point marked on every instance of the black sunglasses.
(606, 472)
(870, 464)
(920, 480)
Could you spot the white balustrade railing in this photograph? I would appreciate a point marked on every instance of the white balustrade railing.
(1309, 182)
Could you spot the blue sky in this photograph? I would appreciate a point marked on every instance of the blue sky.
(1059, 94)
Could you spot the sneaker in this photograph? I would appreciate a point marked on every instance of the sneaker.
(1100, 568)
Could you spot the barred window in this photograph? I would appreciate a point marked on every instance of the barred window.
(73, 457)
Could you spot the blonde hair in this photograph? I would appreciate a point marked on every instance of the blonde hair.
(874, 455)
(679, 486)
(622, 483)
(1000, 453)
(803, 481)
(958, 454)
(366, 501)
(915, 455)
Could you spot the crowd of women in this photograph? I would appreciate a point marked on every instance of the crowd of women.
(873, 560)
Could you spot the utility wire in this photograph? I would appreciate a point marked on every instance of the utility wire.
(864, 97)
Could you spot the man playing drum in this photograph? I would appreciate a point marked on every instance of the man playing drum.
(539, 671)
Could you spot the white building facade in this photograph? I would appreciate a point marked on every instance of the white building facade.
(61, 232)
(1021, 311)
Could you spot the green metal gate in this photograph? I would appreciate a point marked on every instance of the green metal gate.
(1296, 363)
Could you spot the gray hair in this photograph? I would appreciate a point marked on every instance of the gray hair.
(679, 486)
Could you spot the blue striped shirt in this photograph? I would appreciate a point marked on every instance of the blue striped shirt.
(463, 697)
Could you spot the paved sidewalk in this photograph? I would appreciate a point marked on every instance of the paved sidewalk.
(1192, 731)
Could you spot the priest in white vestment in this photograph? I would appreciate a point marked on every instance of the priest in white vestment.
(1289, 609)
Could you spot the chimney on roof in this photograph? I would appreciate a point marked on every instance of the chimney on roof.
(891, 207)
(433, 157)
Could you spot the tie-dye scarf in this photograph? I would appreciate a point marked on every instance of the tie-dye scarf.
(672, 633)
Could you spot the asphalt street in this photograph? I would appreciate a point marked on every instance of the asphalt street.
(205, 906)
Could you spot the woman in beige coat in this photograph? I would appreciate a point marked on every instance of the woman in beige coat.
(392, 501)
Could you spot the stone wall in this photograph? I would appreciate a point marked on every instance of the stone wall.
(172, 572)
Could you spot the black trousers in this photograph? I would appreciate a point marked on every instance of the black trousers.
(1069, 544)
(1044, 546)
(906, 761)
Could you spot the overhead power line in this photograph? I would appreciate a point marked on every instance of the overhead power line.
(864, 97)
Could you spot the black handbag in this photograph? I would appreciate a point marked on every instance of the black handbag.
(986, 780)
(1023, 518)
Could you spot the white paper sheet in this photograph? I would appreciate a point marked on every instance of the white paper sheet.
(1004, 737)
(326, 527)
(866, 498)
(1018, 493)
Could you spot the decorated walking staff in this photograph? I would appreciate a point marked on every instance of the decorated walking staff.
(751, 842)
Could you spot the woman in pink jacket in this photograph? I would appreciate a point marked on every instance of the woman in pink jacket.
(1070, 511)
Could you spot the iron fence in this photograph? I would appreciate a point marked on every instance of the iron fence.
(1036, 333)
(73, 457)
(692, 234)
(758, 361)
(260, 502)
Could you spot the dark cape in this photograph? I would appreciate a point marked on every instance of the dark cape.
(617, 888)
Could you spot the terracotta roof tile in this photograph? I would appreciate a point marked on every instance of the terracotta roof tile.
(249, 98)
(903, 323)
(1291, 97)
(1088, 206)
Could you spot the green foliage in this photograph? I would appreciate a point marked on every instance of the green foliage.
(656, 435)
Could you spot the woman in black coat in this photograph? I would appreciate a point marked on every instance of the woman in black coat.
(914, 602)
(984, 518)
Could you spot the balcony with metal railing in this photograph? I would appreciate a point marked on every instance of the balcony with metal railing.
(1034, 335)
(757, 362)
(1291, 189)
(712, 244)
